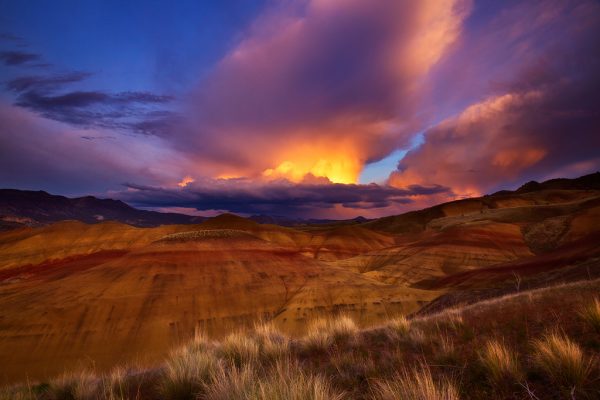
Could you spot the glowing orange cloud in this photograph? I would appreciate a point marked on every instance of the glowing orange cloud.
(185, 181)
(319, 93)
(337, 165)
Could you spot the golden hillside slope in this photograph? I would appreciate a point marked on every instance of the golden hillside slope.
(109, 292)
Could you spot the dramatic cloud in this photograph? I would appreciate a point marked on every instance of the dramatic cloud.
(311, 93)
(45, 83)
(51, 96)
(17, 57)
(542, 122)
(319, 87)
(317, 199)
(46, 155)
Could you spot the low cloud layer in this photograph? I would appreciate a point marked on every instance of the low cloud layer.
(245, 196)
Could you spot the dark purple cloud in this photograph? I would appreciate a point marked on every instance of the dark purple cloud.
(39, 154)
(18, 57)
(542, 122)
(45, 83)
(137, 112)
(275, 198)
(319, 85)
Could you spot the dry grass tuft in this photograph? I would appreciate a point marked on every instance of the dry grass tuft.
(231, 383)
(116, 384)
(417, 337)
(286, 381)
(16, 394)
(399, 326)
(501, 363)
(323, 333)
(591, 314)
(272, 344)
(562, 359)
(75, 386)
(188, 370)
(239, 349)
(416, 385)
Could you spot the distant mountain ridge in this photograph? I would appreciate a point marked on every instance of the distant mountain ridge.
(32, 208)
(558, 191)
(288, 221)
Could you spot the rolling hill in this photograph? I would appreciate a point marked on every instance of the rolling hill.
(73, 293)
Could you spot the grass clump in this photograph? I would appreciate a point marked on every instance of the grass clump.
(562, 360)
(323, 333)
(16, 394)
(399, 326)
(286, 381)
(239, 349)
(272, 344)
(416, 385)
(75, 386)
(117, 385)
(501, 363)
(188, 370)
(78, 386)
(591, 314)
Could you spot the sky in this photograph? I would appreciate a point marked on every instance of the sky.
(300, 108)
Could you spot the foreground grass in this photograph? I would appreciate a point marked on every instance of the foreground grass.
(542, 344)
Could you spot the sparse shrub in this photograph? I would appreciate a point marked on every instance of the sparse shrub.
(188, 370)
(416, 385)
(562, 359)
(76, 386)
(239, 349)
(591, 314)
(286, 381)
(501, 363)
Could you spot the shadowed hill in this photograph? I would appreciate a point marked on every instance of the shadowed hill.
(24, 207)
(554, 191)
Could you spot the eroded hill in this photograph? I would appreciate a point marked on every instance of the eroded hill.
(106, 293)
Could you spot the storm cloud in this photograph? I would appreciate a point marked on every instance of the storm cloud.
(540, 123)
(319, 87)
(276, 198)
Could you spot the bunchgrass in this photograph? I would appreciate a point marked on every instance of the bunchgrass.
(500, 363)
(417, 384)
(188, 370)
(591, 314)
(562, 360)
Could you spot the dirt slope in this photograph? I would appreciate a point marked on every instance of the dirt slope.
(111, 292)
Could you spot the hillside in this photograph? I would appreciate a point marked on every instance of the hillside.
(541, 344)
(31, 208)
(113, 293)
